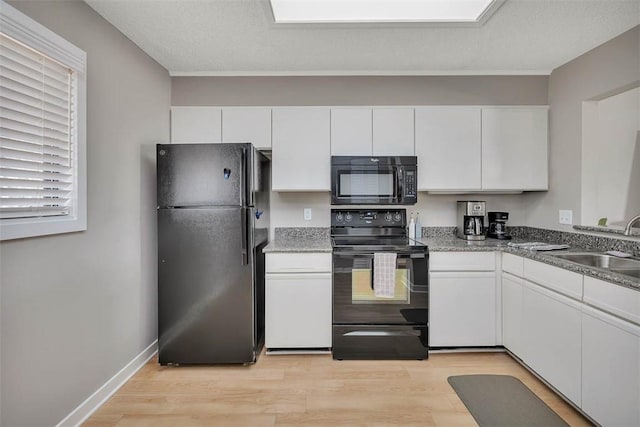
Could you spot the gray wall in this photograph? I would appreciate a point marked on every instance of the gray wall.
(609, 66)
(359, 90)
(76, 308)
(287, 208)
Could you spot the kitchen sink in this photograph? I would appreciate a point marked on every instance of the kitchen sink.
(627, 266)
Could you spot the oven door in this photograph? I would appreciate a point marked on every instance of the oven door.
(372, 185)
(354, 300)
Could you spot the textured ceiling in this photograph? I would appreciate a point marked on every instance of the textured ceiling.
(238, 37)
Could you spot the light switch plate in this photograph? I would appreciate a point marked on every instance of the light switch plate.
(307, 214)
(565, 217)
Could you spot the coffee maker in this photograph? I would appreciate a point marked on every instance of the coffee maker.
(498, 225)
(471, 220)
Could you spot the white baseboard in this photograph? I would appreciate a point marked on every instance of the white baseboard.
(93, 402)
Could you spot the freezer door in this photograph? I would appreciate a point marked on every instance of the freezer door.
(204, 174)
(205, 286)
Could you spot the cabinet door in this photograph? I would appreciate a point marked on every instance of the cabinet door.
(551, 332)
(448, 148)
(393, 132)
(514, 148)
(301, 159)
(247, 124)
(298, 310)
(196, 124)
(351, 131)
(512, 293)
(462, 309)
(611, 369)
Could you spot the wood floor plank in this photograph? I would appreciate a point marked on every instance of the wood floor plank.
(312, 390)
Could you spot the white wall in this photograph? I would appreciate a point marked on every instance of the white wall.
(613, 65)
(611, 158)
(76, 308)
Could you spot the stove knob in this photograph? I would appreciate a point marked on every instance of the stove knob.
(348, 217)
(387, 217)
(397, 217)
(339, 217)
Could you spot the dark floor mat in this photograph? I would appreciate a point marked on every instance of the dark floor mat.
(503, 400)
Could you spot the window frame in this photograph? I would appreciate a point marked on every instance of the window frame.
(22, 28)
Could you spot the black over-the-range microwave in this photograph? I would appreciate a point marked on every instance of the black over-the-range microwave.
(366, 180)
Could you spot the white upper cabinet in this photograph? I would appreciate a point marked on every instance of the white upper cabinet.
(351, 131)
(247, 124)
(301, 157)
(448, 147)
(372, 131)
(515, 148)
(393, 132)
(196, 124)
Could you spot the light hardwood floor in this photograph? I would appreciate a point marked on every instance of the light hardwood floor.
(311, 390)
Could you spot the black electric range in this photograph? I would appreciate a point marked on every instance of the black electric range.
(365, 324)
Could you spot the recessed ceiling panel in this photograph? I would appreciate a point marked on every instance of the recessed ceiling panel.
(354, 11)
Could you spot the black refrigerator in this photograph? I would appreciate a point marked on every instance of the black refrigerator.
(213, 222)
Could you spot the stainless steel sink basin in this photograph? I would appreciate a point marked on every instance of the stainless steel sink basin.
(627, 266)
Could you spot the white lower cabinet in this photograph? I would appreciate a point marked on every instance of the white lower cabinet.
(611, 369)
(587, 346)
(298, 304)
(551, 343)
(512, 301)
(462, 312)
(463, 299)
(540, 324)
(298, 310)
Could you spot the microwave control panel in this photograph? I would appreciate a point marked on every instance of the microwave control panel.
(410, 184)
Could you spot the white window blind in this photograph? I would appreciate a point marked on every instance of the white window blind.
(36, 133)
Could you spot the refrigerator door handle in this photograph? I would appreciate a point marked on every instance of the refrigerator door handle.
(245, 179)
(244, 247)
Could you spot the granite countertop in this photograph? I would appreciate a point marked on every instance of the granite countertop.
(453, 244)
(310, 239)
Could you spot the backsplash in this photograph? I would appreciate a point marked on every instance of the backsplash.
(586, 241)
(303, 233)
(521, 233)
(437, 232)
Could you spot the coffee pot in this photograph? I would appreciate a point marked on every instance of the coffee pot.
(498, 225)
(471, 220)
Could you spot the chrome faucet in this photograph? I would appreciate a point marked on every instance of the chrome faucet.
(627, 229)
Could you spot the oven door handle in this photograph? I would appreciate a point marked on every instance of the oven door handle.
(412, 333)
(369, 254)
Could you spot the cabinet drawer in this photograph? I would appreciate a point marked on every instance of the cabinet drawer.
(462, 261)
(555, 278)
(615, 299)
(298, 262)
(513, 264)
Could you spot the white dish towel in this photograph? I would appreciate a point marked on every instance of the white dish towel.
(384, 277)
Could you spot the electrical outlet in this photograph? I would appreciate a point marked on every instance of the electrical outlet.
(307, 214)
(565, 217)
